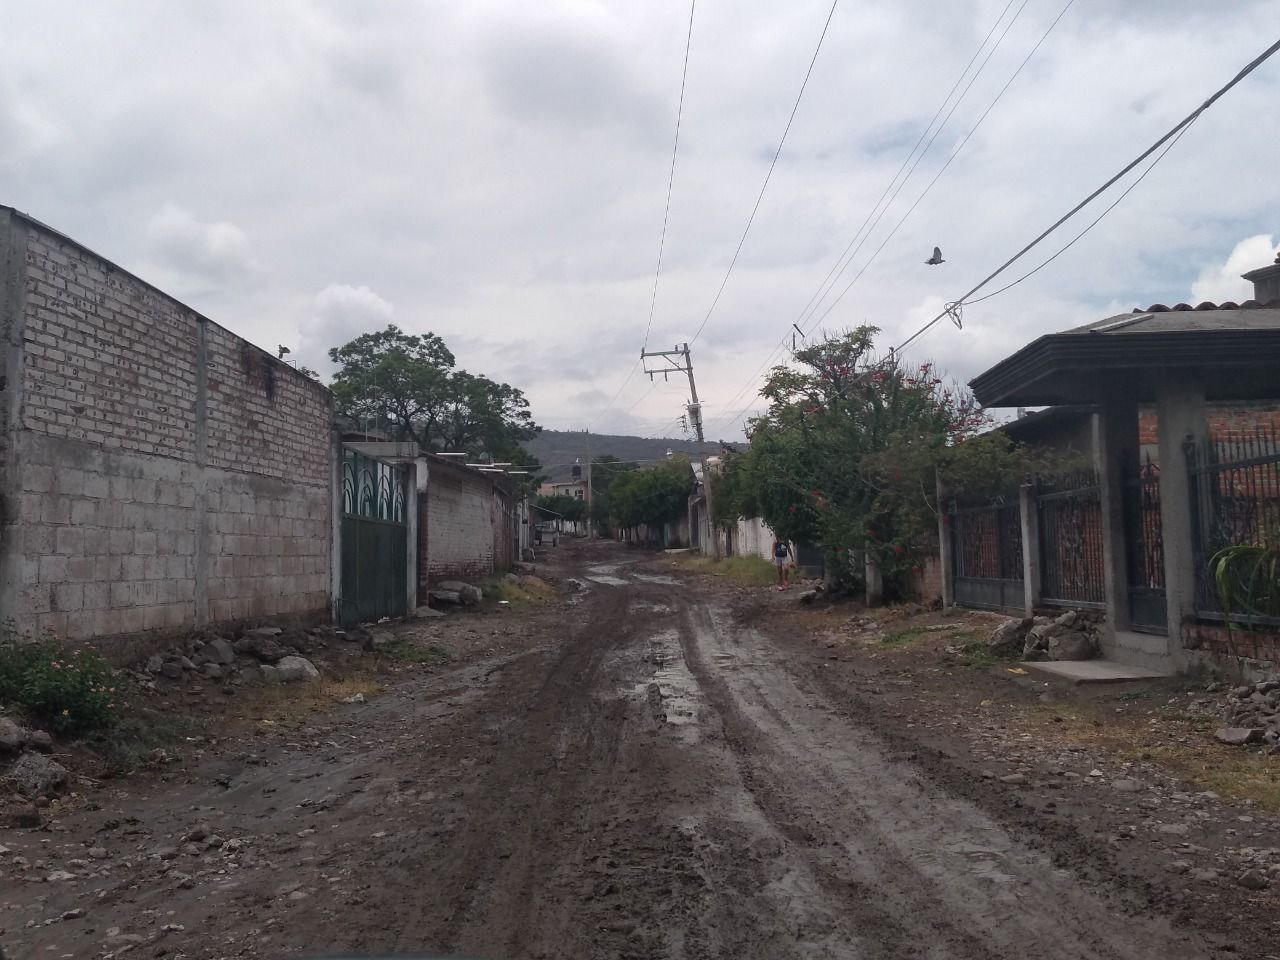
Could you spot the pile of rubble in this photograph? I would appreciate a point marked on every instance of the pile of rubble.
(1252, 715)
(1072, 636)
(266, 654)
(31, 774)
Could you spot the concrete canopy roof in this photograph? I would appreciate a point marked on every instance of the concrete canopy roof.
(1233, 350)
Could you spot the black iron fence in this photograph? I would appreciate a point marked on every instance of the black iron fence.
(1069, 512)
(987, 553)
(1235, 501)
(1144, 548)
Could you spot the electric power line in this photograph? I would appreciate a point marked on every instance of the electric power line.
(952, 308)
(671, 179)
(851, 251)
(768, 174)
(941, 170)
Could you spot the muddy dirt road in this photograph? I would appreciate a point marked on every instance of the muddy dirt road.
(649, 778)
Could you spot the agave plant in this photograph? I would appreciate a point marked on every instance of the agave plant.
(1247, 578)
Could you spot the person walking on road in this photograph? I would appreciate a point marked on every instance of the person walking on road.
(782, 560)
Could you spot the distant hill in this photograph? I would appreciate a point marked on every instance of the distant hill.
(556, 450)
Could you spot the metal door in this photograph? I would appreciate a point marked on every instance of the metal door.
(375, 540)
(1144, 550)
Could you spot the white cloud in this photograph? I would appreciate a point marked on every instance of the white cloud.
(199, 253)
(1220, 282)
(340, 313)
(496, 170)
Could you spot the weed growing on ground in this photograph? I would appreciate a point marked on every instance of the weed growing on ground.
(127, 744)
(407, 651)
(67, 691)
(974, 651)
(747, 570)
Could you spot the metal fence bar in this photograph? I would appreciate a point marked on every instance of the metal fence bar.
(1069, 513)
(1235, 493)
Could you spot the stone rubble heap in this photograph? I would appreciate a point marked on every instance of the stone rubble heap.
(1252, 715)
(265, 654)
(1071, 636)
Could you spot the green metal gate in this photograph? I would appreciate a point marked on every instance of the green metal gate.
(375, 540)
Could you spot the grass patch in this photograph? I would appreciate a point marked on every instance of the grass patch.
(527, 589)
(66, 690)
(408, 651)
(902, 638)
(294, 703)
(126, 745)
(974, 651)
(749, 571)
(1232, 772)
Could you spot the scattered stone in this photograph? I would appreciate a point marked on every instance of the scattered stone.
(197, 833)
(298, 895)
(34, 775)
(293, 669)
(98, 853)
(1125, 785)
(211, 670)
(1253, 880)
(185, 881)
(1014, 779)
(1238, 736)
(1074, 645)
(220, 651)
(264, 632)
(807, 596)
(12, 736)
(1204, 874)
(269, 673)
(354, 698)
(1180, 866)
(1008, 638)
(171, 670)
(172, 928)
(445, 596)
(155, 663)
(1095, 772)
(1173, 829)
(74, 914)
(41, 740)
(60, 876)
(263, 646)
(468, 594)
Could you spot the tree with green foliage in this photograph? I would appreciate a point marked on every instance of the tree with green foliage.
(650, 497)
(846, 456)
(408, 382)
(605, 469)
(570, 508)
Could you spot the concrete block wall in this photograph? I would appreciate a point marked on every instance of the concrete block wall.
(164, 473)
(461, 523)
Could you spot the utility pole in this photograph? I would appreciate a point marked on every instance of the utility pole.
(679, 361)
(591, 522)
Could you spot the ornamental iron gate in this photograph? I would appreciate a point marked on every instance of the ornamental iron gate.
(375, 540)
(1069, 510)
(1144, 550)
(987, 554)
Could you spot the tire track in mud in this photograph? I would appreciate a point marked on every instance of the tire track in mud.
(924, 873)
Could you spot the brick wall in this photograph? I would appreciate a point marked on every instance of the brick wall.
(1225, 418)
(461, 523)
(166, 473)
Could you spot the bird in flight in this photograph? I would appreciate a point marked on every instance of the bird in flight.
(936, 258)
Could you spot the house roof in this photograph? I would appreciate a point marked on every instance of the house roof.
(1033, 426)
(1233, 349)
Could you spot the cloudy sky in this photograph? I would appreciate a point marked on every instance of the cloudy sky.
(496, 171)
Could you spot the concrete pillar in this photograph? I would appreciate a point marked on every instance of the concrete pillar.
(202, 559)
(1030, 548)
(12, 312)
(946, 561)
(1180, 408)
(874, 579)
(1117, 435)
(335, 524)
(408, 477)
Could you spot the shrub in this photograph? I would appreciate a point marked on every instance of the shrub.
(67, 691)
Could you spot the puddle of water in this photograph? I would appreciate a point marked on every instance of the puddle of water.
(680, 693)
(609, 581)
(648, 606)
(577, 595)
(655, 578)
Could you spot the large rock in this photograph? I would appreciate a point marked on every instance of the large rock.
(12, 736)
(1072, 645)
(34, 774)
(293, 669)
(468, 594)
(1238, 736)
(445, 596)
(1007, 639)
(220, 651)
(260, 645)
